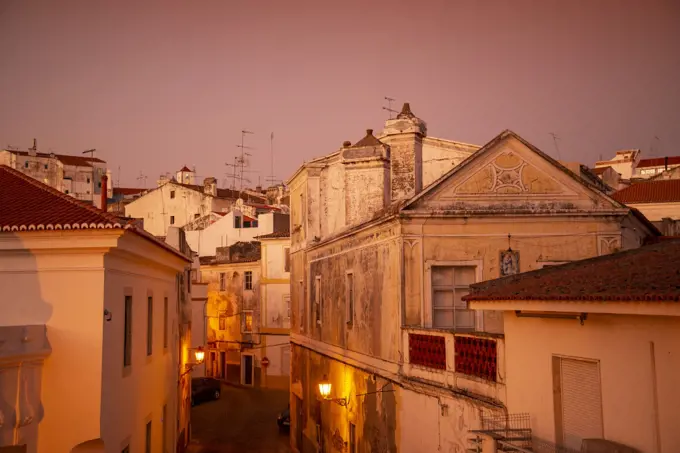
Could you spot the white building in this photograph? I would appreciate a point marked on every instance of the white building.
(176, 204)
(78, 176)
(629, 164)
(91, 357)
(241, 224)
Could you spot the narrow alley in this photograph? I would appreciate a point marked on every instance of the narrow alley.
(241, 421)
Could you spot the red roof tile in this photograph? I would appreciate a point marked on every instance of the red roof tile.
(274, 235)
(648, 273)
(127, 191)
(658, 162)
(28, 205)
(66, 159)
(654, 191)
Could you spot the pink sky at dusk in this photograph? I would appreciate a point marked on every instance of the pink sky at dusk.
(155, 85)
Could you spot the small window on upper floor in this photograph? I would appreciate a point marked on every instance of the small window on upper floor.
(26, 164)
(246, 224)
(172, 220)
(237, 221)
(88, 180)
(253, 224)
(172, 194)
(99, 184)
(449, 285)
(45, 166)
(248, 280)
(223, 281)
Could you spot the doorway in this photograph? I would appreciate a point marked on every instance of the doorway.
(247, 366)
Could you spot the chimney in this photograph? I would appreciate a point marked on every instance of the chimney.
(33, 151)
(210, 186)
(105, 190)
(665, 163)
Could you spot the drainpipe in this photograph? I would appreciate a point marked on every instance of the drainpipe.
(105, 190)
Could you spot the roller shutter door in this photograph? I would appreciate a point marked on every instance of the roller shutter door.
(581, 398)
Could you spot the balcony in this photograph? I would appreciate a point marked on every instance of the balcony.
(470, 362)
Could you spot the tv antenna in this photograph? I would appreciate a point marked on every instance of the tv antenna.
(141, 178)
(556, 138)
(242, 159)
(389, 106)
(271, 179)
(233, 166)
(654, 146)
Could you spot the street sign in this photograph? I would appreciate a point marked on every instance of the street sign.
(265, 362)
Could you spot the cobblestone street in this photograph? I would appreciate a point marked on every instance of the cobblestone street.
(241, 421)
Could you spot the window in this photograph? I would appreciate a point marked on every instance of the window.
(449, 285)
(253, 224)
(286, 259)
(172, 194)
(88, 180)
(223, 281)
(249, 280)
(246, 224)
(26, 164)
(172, 220)
(247, 321)
(45, 166)
(165, 322)
(197, 215)
(148, 438)
(237, 221)
(352, 438)
(223, 322)
(127, 341)
(149, 326)
(317, 299)
(349, 291)
(99, 184)
(66, 191)
(286, 302)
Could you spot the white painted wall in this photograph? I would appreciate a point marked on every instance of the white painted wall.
(223, 234)
(65, 280)
(158, 207)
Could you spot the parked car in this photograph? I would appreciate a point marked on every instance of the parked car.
(284, 419)
(205, 389)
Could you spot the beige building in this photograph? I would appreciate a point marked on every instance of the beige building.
(275, 308)
(384, 245)
(91, 340)
(175, 203)
(233, 313)
(591, 350)
(77, 176)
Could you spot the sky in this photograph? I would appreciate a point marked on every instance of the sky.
(154, 85)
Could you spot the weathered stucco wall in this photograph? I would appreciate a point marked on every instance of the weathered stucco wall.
(440, 156)
(373, 259)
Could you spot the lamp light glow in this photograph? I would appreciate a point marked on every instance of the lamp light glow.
(325, 387)
(200, 354)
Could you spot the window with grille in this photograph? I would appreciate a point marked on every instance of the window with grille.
(172, 194)
(248, 280)
(449, 285)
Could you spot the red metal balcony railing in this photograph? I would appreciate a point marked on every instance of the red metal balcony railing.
(475, 357)
(427, 350)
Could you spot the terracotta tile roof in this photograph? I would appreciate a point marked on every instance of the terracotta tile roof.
(80, 161)
(658, 162)
(652, 191)
(29, 205)
(368, 140)
(127, 191)
(648, 273)
(226, 193)
(274, 235)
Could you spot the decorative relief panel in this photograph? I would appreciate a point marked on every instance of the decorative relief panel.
(608, 244)
(509, 174)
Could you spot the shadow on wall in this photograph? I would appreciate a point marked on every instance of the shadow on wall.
(23, 345)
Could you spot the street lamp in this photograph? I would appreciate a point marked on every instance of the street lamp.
(199, 354)
(325, 388)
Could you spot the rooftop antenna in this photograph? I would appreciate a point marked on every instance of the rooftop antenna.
(118, 178)
(140, 178)
(242, 160)
(233, 174)
(272, 178)
(389, 106)
(654, 146)
(557, 148)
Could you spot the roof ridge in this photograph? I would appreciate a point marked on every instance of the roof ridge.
(39, 185)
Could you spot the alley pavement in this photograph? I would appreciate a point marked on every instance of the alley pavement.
(243, 420)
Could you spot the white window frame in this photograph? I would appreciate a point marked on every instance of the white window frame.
(350, 303)
(428, 299)
(286, 303)
(245, 280)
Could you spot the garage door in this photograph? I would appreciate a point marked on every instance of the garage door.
(579, 404)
